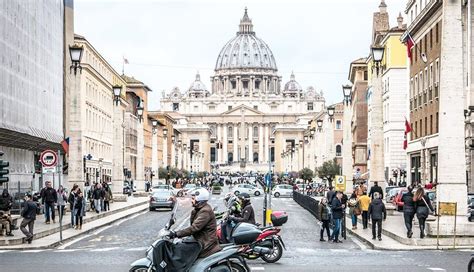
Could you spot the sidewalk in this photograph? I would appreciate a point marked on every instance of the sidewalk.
(46, 236)
(394, 236)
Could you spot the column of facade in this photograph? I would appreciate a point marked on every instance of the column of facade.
(238, 85)
(140, 174)
(260, 144)
(300, 157)
(173, 154)
(154, 153)
(165, 151)
(264, 85)
(252, 85)
(235, 142)
(250, 142)
(266, 149)
(377, 171)
(224, 143)
(219, 137)
(347, 164)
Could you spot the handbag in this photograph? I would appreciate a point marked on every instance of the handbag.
(357, 211)
(427, 206)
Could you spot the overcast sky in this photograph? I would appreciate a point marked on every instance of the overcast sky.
(168, 41)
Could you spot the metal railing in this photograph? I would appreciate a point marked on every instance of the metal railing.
(307, 202)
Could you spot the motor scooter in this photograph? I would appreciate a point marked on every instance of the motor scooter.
(229, 259)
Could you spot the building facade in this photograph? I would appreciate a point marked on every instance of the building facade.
(247, 118)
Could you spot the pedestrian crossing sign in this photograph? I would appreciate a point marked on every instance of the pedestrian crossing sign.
(340, 183)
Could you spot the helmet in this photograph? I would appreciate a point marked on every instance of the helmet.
(244, 196)
(201, 194)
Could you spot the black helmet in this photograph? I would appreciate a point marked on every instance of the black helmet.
(244, 196)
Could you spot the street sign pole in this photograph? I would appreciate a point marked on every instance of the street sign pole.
(59, 208)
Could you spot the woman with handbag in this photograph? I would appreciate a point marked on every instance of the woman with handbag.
(423, 208)
(354, 209)
(324, 213)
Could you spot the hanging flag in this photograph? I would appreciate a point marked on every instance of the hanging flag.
(125, 60)
(409, 42)
(407, 130)
(65, 145)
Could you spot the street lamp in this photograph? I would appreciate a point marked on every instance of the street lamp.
(173, 138)
(140, 109)
(311, 132)
(331, 111)
(117, 90)
(305, 139)
(154, 123)
(320, 124)
(346, 90)
(165, 132)
(377, 56)
(75, 52)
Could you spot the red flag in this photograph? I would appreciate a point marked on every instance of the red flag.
(65, 145)
(407, 130)
(409, 42)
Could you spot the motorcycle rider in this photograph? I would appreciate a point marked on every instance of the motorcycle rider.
(232, 204)
(248, 214)
(203, 224)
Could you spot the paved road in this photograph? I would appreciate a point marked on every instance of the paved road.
(115, 247)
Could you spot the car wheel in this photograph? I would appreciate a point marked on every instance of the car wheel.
(236, 193)
(152, 209)
(257, 193)
(470, 218)
(277, 194)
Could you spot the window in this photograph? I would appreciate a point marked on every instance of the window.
(245, 84)
(431, 124)
(255, 107)
(290, 108)
(230, 133)
(437, 33)
(229, 107)
(274, 108)
(234, 84)
(426, 125)
(212, 108)
(255, 132)
(421, 128)
(175, 106)
(437, 123)
(366, 75)
(338, 124)
(338, 150)
(310, 106)
(431, 38)
(196, 108)
(257, 84)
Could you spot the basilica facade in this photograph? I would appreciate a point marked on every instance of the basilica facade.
(247, 119)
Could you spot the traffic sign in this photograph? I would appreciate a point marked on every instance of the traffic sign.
(48, 158)
(340, 183)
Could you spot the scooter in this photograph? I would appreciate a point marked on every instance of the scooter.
(229, 259)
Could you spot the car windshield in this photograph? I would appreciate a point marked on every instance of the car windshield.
(190, 186)
(162, 194)
(161, 186)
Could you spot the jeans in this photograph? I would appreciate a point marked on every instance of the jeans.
(325, 227)
(97, 205)
(106, 205)
(337, 229)
(408, 216)
(365, 218)
(79, 220)
(73, 218)
(61, 211)
(354, 220)
(30, 223)
(49, 207)
(377, 223)
(421, 222)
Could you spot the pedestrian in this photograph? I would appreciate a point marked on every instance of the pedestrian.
(337, 214)
(49, 198)
(98, 196)
(325, 216)
(62, 200)
(70, 200)
(331, 194)
(5, 224)
(378, 213)
(423, 208)
(376, 189)
(408, 210)
(107, 197)
(6, 203)
(354, 209)
(79, 209)
(364, 202)
(29, 216)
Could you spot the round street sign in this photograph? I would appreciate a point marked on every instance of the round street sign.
(48, 158)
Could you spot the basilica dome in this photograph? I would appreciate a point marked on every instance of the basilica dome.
(292, 86)
(246, 50)
(197, 88)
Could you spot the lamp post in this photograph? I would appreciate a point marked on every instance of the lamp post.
(117, 91)
(377, 56)
(75, 52)
(319, 123)
(331, 110)
(140, 110)
(346, 91)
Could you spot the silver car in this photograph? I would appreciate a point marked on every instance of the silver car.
(162, 199)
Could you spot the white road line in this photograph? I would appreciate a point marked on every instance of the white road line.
(65, 250)
(34, 251)
(136, 249)
(104, 249)
(6, 251)
(339, 250)
(436, 269)
(257, 268)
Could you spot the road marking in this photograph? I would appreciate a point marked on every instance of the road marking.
(34, 251)
(257, 268)
(339, 250)
(104, 249)
(136, 249)
(362, 246)
(65, 250)
(436, 269)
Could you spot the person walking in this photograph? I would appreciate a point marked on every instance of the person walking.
(354, 209)
(62, 200)
(337, 214)
(408, 210)
(29, 216)
(71, 199)
(79, 209)
(330, 194)
(324, 213)
(49, 198)
(107, 197)
(376, 189)
(364, 202)
(378, 213)
(422, 204)
(98, 195)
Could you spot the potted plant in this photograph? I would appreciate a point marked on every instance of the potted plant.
(216, 189)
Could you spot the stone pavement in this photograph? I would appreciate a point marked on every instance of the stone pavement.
(394, 235)
(46, 236)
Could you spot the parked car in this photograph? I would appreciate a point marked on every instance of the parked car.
(247, 188)
(389, 188)
(282, 190)
(160, 187)
(162, 199)
(397, 200)
(470, 212)
(391, 194)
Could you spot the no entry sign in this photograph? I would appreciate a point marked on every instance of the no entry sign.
(49, 158)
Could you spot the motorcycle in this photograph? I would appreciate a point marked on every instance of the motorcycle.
(157, 259)
(268, 245)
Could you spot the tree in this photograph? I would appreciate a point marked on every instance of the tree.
(306, 174)
(329, 170)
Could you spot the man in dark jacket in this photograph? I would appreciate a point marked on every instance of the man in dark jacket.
(203, 224)
(331, 194)
(29, 217)
(408, 210)
(49, 198)
(6, 202)
(376, 189)
(71, 198)
(247, 214)
(378, 213)
(337, 214)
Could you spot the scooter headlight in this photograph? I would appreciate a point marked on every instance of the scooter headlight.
(149, 253)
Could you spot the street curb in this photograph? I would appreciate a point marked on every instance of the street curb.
(55, 244)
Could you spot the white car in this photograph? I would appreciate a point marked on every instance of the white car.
(282, 190)
(164, 187)
(247, 188)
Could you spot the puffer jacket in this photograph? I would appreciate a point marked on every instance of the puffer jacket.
(377, 210)
(408, 203)
(323, 212)
(6, 201)
(203, 228)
